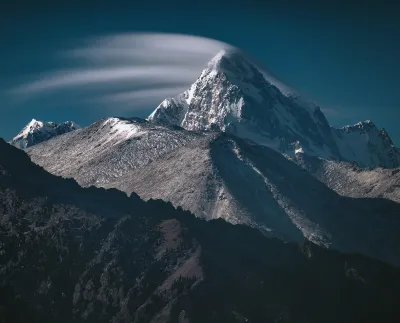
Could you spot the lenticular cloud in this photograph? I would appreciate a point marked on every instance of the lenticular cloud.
(152, 64)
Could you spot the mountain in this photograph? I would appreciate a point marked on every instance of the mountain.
(37, 131)
(108, 149)
(348, 179)
(73, 254)
(217, 175)
(232, 95)
(365, 144)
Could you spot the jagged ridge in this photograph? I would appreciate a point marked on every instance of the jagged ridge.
(216, 175)
(38, 131)
(231, 95)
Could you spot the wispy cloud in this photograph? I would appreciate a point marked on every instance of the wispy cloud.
(150, 48)
(143, 95)
(149, 65)
(136, 99)
(78, 77)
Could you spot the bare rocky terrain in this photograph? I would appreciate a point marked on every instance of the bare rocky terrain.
(348, 179)
(216, 175)
(73, 254)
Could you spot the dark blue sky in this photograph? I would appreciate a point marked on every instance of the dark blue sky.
(345, 56)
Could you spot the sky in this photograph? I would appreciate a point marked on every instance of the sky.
(85, 60)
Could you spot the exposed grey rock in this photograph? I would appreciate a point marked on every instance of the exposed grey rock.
(349, 179)
(70, 254)
(216, 175)
(108, 149)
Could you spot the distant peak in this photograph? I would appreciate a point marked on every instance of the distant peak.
(367, 124)
(69, 124)
(35, 122)
(37, 131)
(30, 127)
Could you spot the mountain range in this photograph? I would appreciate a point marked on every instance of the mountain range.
(234, 201)
(233, 96)
(73, 254)
(234, 146)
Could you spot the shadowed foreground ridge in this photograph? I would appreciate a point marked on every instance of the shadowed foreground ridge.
(72, 254)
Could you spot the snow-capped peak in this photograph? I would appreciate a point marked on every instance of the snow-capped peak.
(215, 61)
(233, 95)
(37, 131)
(34, 123)
(29, 128)
(362, 125)
(232, 61)
(368, 146)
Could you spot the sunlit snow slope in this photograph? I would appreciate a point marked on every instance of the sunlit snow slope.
(232, 95)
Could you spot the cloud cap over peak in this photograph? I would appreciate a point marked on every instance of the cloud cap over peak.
(154, 64)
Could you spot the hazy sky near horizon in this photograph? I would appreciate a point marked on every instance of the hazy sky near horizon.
(84, 60)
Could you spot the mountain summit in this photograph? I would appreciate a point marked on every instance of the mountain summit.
(233, 96)
(38, 131)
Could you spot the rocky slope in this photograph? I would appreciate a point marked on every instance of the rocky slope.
(38, 131)
(230, 178)
(108, 149)
(232, 95)
(216, 175)
(349, 179)
(70, 254)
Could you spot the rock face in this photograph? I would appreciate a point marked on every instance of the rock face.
(231, 95)
(216, 175)
(348, 179)
(70, 254)
(108, 149)
(38, 131)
